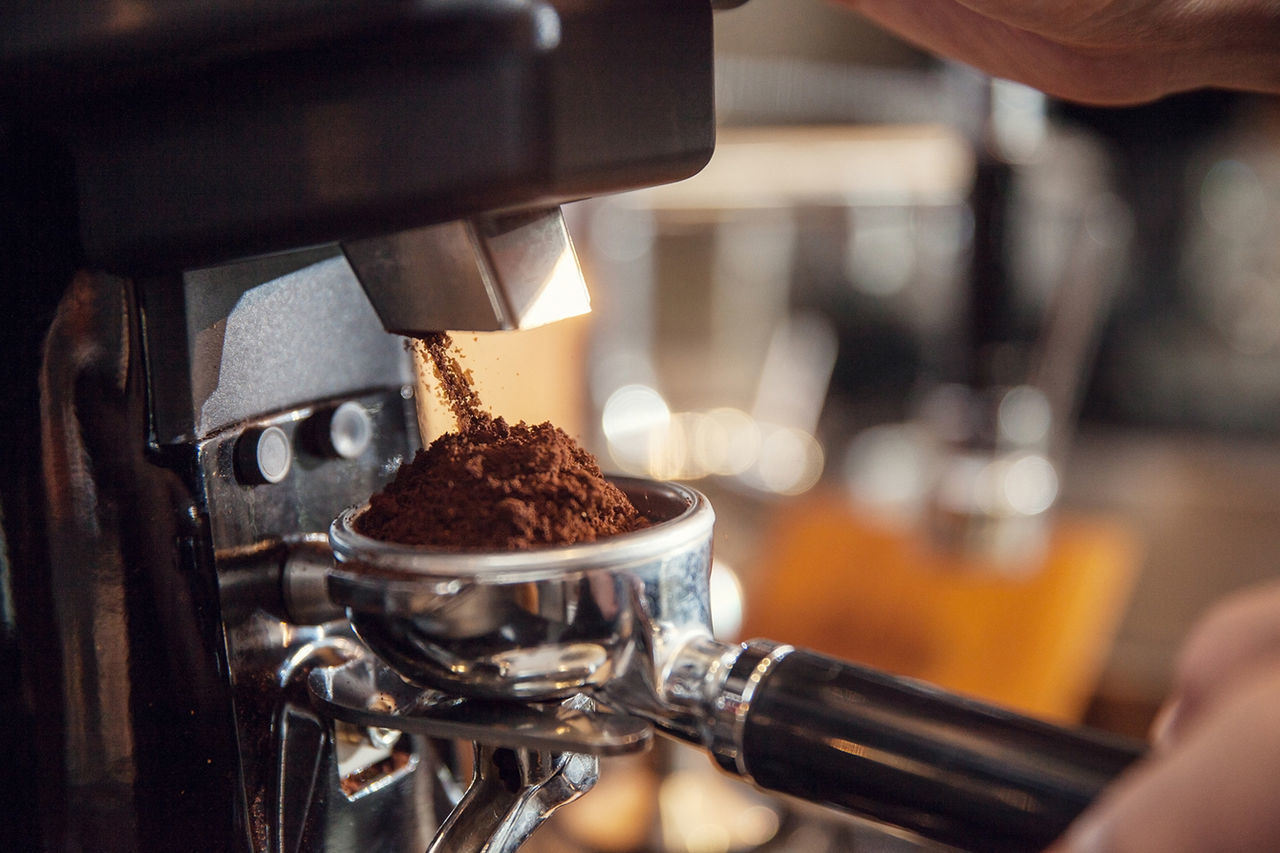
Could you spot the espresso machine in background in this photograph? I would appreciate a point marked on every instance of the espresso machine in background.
(196, 382)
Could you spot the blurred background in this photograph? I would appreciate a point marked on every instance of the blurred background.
(983, 386)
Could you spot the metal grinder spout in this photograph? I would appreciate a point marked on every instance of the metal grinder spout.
(485, 273)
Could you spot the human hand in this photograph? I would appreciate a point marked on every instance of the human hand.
(1211, 782)
(1098, 51)
(1238, 639)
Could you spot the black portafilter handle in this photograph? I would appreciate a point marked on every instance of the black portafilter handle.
(905, 753)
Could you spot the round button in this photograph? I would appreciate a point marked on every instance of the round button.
(264, 455)
(350, 430)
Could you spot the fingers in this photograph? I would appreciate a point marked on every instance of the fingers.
(1115, 74)
(1239, 636)
(1215, 790)
(1078, 22)
(1211, 783)
(951, 29)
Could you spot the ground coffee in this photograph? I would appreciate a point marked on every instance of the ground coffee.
(494, 486)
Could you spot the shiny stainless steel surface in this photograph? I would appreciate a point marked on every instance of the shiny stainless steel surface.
(626, 620)
(227, 343)
(512, 793)
(512, 271)
(365, 692)
(259, 340)
(536, 624)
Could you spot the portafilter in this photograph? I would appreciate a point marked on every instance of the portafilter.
(626, 621)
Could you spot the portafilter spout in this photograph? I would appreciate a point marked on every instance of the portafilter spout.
(627, 621)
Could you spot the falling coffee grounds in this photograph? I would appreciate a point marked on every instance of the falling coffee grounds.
(494, 486)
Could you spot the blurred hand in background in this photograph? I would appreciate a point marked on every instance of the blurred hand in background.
(1098, 51)
(1211, 782)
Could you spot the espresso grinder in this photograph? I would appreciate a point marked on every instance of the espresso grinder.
(218, 220)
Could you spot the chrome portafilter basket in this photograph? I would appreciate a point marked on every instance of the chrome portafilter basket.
(534, 625)
(586, 649)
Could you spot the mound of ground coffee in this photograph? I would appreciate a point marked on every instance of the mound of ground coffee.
(494, 486)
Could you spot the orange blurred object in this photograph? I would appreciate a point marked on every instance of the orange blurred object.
(838, 581)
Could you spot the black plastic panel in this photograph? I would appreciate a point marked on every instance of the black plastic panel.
(259, 132)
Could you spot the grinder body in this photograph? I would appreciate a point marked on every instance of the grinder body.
(185, 191)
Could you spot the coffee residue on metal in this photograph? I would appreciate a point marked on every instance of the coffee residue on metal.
(494, 486)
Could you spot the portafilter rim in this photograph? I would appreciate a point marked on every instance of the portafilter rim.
(361, 557)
